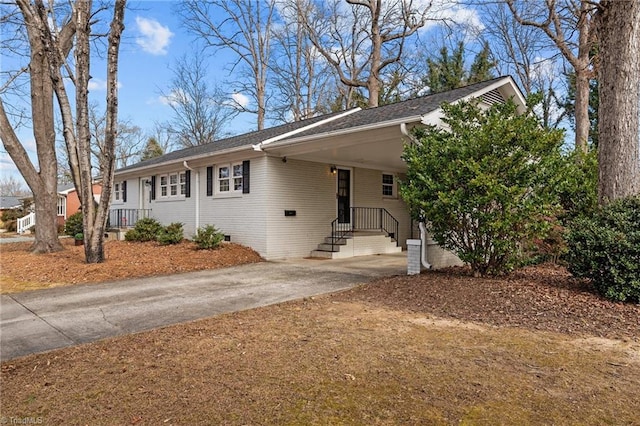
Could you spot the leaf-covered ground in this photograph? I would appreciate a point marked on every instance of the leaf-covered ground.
(536, 347)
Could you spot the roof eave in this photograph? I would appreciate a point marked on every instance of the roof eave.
(308, 138)
(181, 160)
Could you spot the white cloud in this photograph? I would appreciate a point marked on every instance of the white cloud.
(154, 37)
(99, 85)
(240, 99)
(453, 12)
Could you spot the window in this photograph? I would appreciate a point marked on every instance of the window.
(173, 185)
(388, 187)
(229, 179)
(117, 195)
(62, 206)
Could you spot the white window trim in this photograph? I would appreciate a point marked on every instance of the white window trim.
(232, 192)
(178, 185)
(117, 193)
(62, 206)
(394, 186)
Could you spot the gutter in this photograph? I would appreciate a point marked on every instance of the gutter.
(259, 146)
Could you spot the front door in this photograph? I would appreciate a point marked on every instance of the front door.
(344, 198)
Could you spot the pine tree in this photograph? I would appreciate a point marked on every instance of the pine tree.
(151, 150)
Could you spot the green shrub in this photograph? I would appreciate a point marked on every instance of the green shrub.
(171, 234)
(482, 182)
(606, 248)
(11, 214)
(208, 237)
(131, 235)
(146, 229)
(73, 225)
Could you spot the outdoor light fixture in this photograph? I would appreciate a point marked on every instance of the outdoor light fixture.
(334, 169)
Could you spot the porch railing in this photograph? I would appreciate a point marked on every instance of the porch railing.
(365, 219)
(127, 218)
(26, 222)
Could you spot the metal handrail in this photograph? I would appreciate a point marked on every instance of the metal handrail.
(127, 218)
(366, 219)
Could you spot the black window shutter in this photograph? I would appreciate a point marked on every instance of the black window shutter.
(245, 177)
(209, 181)
(153, 187)
(124, 191)
(187, 182)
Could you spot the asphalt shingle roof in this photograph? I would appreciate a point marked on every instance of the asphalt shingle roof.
(9, 202)
(392, 112)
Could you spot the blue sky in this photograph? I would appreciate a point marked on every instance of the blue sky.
(152, 41)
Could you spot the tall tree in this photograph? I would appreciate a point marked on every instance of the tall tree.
(569, 26)
(77, 129)
(448, 71)
(568, 103)
(246, 30)
(300, 77)
(362, 43)
(619, 96)
(151, 150)
(12, 187)
(41, 179)
(200, 111)
(521, 51)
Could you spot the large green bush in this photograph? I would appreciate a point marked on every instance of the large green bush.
(606, 248)
(577, 185)
(171, 234)
(146, 229)
(208, 237)
(482, 181)
(73, 225)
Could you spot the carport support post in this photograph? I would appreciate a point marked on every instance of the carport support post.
(413, 257)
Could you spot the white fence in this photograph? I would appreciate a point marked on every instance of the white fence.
(26, 222)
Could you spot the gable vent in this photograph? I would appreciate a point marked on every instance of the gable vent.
(493, 97)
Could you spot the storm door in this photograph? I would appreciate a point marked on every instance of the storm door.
(344, 197)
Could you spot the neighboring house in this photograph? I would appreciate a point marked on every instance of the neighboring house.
(69, 202)
(283, 190)
(9, 203)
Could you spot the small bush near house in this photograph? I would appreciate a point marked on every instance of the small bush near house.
(73, 225)
(171, 234)
(208, 237)
(146, 229)
(606, 248)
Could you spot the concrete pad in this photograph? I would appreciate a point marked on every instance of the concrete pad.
(42, 320)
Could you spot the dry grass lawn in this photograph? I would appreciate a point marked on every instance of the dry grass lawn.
(424, 350)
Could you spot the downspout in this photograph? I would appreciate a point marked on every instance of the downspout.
(423, 238)
(197, 193)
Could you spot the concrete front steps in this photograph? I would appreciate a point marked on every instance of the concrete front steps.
(357, 244)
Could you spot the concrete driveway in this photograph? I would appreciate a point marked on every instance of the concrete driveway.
(42, 320)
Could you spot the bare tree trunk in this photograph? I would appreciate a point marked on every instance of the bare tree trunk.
(562, 20)
(581, 110)
(41, 181)
(94, 216)
(619, 89)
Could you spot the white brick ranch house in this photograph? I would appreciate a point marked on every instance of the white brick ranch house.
(284, 190)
